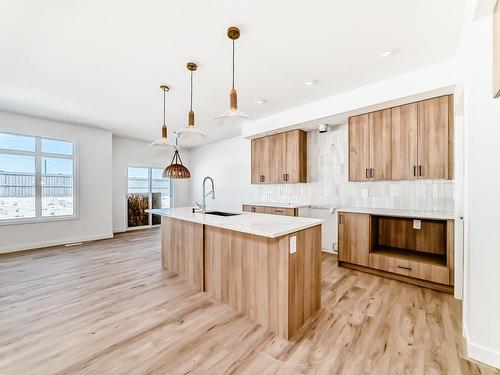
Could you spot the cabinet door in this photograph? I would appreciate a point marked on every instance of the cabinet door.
(380, 145)
(359, 147)
(354, 238)
(404, 142)
(295, 168)
(278, 152)
(433, 128)
(260, 161)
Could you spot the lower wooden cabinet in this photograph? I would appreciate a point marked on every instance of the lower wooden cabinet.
(285, 211)
(418, 269)
(391, 247)
(354, 238)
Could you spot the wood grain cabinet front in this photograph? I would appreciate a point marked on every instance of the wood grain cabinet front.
(260, 169)
(354, 238)
(393, 247)
(412, 141)
(280, 158)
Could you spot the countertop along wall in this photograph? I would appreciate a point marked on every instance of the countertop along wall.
(135, 153)
(93, 178)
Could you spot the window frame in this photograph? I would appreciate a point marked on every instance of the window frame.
(38, 155)
(150, 195)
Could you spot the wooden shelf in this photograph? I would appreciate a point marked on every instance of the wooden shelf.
(410, 255)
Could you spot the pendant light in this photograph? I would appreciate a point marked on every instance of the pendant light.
(191, 130)
(163, 143)
(176, 169)
(233, 115)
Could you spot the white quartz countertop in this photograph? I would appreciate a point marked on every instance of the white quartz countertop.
(279, 205)
(271, 226)
(400, 213)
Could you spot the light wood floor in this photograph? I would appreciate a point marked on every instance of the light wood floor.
(108, 308)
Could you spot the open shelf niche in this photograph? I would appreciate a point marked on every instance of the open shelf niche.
(397, 237)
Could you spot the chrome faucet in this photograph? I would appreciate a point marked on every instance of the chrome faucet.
(203, 206)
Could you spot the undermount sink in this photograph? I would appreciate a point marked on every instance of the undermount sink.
(220, 213)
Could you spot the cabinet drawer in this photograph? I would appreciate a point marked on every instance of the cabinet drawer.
(281, 211)
(412, 268)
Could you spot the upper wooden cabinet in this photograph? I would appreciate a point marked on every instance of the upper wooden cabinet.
(280, 158)
(404, 141)
(380, 145)
(370, 146)
(260, 161)
(359, 147)
(435, 138)
(412, 141)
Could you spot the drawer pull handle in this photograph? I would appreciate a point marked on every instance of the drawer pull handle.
(405, 268)
(278, 211)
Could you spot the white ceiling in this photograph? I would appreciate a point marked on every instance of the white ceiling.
(101, 62)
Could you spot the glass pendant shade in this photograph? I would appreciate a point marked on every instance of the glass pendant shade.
(191, 131)
(176, 169)
(233, 116)
(163, 143)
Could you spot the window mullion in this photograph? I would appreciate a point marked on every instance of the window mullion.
(150, 195)
(38, 177)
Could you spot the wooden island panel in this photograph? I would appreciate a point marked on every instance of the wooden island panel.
(182, 249)
(304, 283)
(260, 278)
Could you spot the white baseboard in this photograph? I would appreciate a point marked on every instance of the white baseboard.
(38, 245)
(483, 354)
(119, 230)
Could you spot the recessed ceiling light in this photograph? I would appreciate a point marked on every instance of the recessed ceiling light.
(309, 82)
(386, 53)
(261, 101)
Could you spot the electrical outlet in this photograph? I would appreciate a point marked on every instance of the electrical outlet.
(293, 244)
(364, 193)
(335, 247)
(417, 224)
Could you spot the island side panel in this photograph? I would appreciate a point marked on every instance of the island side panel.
(249, 273)
(304, 278)
(182, 249)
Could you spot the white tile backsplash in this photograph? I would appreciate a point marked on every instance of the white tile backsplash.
(328, 184)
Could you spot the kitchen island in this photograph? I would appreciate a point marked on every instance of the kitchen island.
(267, 267)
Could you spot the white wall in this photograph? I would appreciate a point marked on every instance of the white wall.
(134, 153)
(94, 176)
(481, 306)
(228, 163)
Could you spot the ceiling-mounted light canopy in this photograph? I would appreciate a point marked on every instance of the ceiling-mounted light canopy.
(191, 130)
(162, 142)
(233, 115)
(176, 169)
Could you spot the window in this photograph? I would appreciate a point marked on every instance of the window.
(146, 188)
(37, 178)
